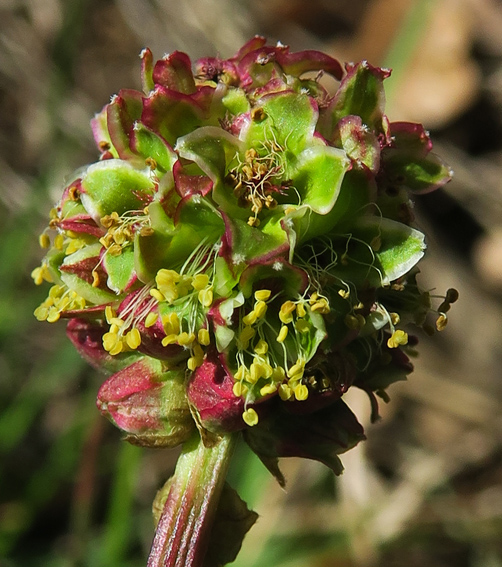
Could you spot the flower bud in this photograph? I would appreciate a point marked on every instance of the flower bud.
(148, 404)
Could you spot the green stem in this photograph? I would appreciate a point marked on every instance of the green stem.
(182, 532)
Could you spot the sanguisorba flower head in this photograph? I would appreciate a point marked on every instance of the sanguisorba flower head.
(243, 251)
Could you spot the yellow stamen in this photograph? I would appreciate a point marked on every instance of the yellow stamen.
(200, 281)
(268, 389)
(300, 310)
(286, 312)
(155, 293)
(44, 240)
(171, 323)
(151, 319)
(250, 318)
(109, 314)
(260, 309)
(283, 333)
(203, 337)
(441, 322)
(262, 294)
(95, 279)
(398, 337)
(133, 338)
(206, 297)
(185, 339)
(59, 241)
(250, 417)
(301, 392)
(169, 340)
(239, 389)
(285, 392)
(261, 347)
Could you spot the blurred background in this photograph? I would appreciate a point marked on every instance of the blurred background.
(426, 487)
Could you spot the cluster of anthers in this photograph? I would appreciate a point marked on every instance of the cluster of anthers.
(258, 372)
(257, 179)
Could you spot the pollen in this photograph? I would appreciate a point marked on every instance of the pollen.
(151, 319)
(398, 338)
(283, 333)
(250, 417)
(262, 294)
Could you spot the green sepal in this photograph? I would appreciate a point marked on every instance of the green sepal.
(318, 177)
(150, 145)
(120, 270)
(236, 101)
(114, 185)
(289, 121)
(95, 295)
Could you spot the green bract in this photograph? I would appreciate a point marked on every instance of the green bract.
(242, 252)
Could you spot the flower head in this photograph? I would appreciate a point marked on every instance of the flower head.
(243, 251)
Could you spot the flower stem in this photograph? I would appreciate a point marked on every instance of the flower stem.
(183, 530)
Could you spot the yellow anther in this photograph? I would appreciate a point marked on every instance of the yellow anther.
(239, 389)
(133, 338)
(286, 312)
(262, 294)
(261, 347)
(151, 319)
(296, 371)
(44, 240)
(200, 281)
(42, 274)
(109, 314)
(41, 312)
(301, 392)
(95, 279)
(245, 336)
(302, 326)
(110, 340)
(165, 276)
(344, 293)
(395, 318)
(321, 306)
(203, 337)
(260, 309)
(285, 392)
(117, 321)
(118, 348)
(300, 310)
(253, 221)
(155, 293)
(441, 322)
(193, 363)
(115, 250)
(241, 374)
(255, 372)
(169, 340)
(278, 374)
(114, 329)
(250, 417)
(74, 245)
(185, 339)
(206, 297)
(53, 315)
(171, 323)
(250, 318)
(59, 242)
(398, 337)
(268, 389)
(283, 333)
(58, 290)
(119, 236)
